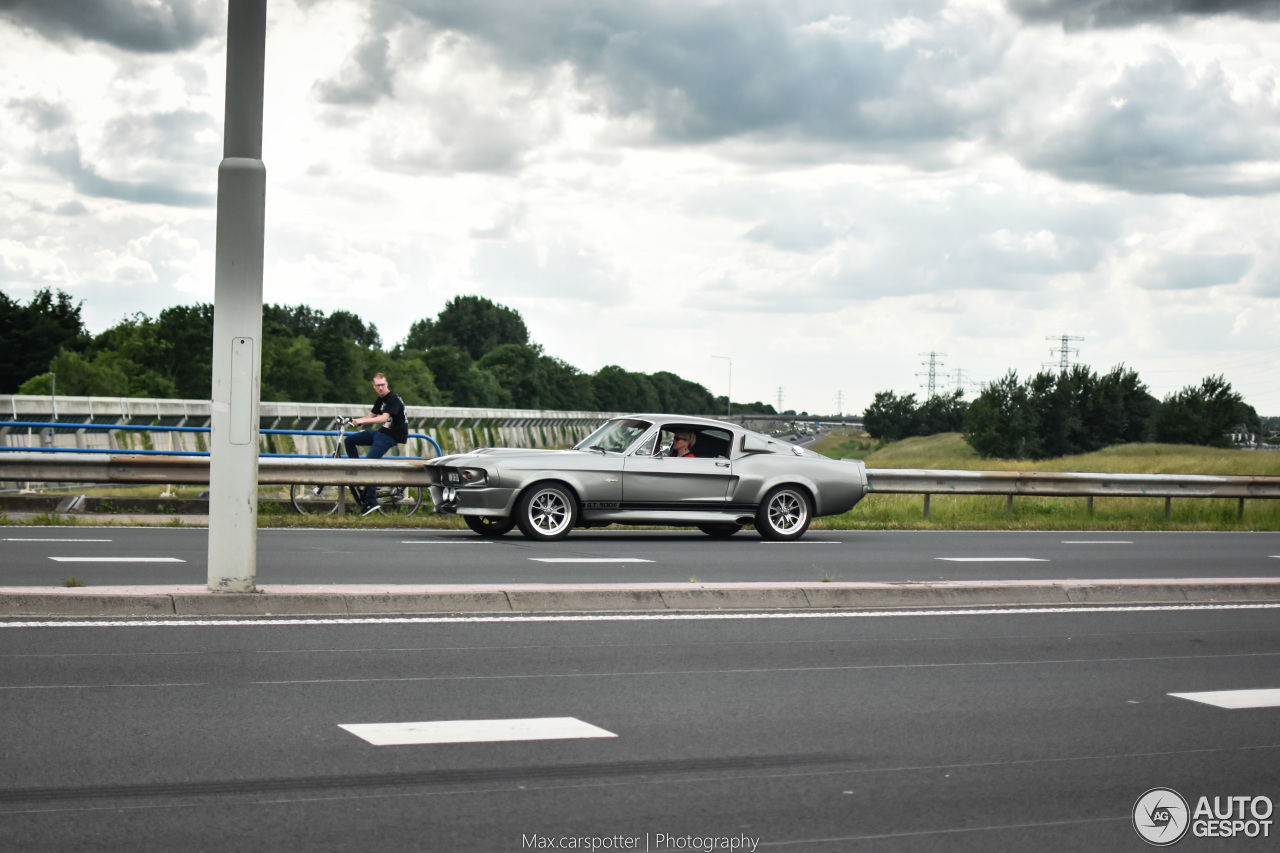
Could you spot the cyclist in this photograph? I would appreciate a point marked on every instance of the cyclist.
(387, 410)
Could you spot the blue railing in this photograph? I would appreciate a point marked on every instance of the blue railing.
(65, 425)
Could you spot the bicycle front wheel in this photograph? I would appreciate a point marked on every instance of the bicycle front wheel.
(315, 500)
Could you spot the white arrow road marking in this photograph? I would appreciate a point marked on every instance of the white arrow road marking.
(1235, 698)
(117, 559)
(474, 731)
(589, 560)
(992, 559)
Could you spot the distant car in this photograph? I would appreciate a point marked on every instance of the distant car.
(623, 473)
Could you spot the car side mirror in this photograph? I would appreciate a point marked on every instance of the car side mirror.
(664, 450)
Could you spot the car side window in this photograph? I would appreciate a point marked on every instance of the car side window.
(646, 449)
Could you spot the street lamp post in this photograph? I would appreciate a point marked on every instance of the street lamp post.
(728, 397)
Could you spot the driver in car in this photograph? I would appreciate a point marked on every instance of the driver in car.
(682, 444)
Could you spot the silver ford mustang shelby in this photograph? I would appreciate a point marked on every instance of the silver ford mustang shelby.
(648, 469)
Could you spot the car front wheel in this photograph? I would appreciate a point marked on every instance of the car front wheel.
(784, 514)
(546, 512)
(489, 526)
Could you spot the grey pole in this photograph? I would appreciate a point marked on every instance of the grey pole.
(237, 309)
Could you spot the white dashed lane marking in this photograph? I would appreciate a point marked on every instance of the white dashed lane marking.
(474, 731)
(993, 559)
(117, 559)
(1235, 698)
(589, 560)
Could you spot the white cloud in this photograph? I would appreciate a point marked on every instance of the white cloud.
(819, 190)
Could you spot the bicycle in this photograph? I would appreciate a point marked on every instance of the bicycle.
(324, 500)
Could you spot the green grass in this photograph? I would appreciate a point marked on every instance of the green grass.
(983, 512)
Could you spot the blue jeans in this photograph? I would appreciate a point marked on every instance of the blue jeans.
(379, 443)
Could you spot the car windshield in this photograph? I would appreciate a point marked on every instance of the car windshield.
(615, 436)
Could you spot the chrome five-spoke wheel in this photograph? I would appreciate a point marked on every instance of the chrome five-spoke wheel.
(784, 514)
(547, 511)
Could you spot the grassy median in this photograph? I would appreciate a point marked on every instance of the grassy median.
(983, 512)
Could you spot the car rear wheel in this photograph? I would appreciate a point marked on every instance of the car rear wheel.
(546, 511)
(784, 514)
(488, 525)
(720, 531)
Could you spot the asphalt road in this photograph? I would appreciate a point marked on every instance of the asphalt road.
(998, 731)
(108, 556)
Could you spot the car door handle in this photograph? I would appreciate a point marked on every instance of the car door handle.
(722, 464)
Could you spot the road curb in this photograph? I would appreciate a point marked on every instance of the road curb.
(354, 600)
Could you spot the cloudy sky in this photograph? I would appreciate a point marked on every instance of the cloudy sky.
(821, 191)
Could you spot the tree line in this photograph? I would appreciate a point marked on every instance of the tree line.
(1065, 413)
(474, 353)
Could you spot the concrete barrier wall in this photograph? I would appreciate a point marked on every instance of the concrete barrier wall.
(455, 429)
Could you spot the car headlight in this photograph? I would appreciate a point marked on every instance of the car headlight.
(463, 476)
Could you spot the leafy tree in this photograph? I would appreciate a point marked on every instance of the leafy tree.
(740, 408)
(296, 320)
(516, 368)
(682, 397)
(408, 375)
(291, 372)
(32, 334)
(106, 374)
(617, 390)
(941, 413)
(1059, 414)
(473, 324)
(188, 330)
(564, 387)
(1118, 411)
(1201, 415)
(890, 417)
(1001, 422)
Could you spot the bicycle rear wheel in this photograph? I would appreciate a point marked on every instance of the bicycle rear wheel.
(400, 500)
(315, 500)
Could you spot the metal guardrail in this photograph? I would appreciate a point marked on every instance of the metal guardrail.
(115, 467)
(921, 481)
(915, 481)
(71, 427)
(36, 467)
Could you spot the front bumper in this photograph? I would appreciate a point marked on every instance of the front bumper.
(473, 500)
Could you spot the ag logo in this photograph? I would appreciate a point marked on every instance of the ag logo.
(1160, 816)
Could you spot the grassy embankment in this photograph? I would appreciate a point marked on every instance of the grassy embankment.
(948, 512)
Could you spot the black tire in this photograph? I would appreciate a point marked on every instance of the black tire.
(489, 526)
(547, 511)
(720, 531)
(784, 514)
(315, 500)
(400, 500)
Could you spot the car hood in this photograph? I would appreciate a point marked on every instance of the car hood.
(504, 453)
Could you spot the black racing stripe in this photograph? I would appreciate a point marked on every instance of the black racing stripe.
(686, 506)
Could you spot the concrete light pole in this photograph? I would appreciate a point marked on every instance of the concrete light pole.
(728, 397)
(237, 309)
